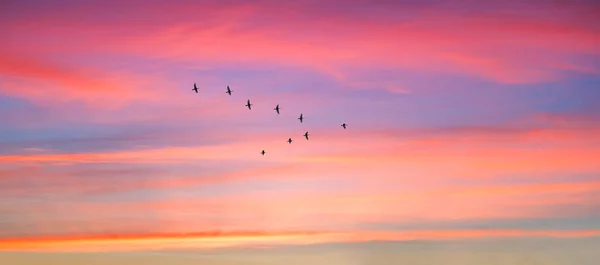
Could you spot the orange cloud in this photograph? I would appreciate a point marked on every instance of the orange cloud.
(471, 172)
(221, 240)
(330, 207)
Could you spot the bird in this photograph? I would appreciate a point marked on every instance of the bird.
(344, 125)
(195, 88)
(262, 152)
(249, 105)
(289, 141)
(306, 135)
(301, 117)
(228, 91)
(277, 108)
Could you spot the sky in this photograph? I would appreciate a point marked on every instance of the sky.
(473, 132)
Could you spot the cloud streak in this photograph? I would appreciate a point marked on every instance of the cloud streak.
(223, 240)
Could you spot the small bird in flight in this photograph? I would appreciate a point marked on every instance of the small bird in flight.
(262, 152)
(249, 105)
(301, 117)
(277, 108)
(195, 88)
(228, 91)
(289, 141)
(306, 135)
(344, 125)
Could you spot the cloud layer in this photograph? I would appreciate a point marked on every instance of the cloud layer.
(457, 111)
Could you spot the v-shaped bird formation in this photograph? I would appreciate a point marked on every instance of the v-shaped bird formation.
(277, 109)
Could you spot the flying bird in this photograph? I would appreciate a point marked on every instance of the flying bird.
(195, 88)
(262, 152)
(306, 135)
(228, 91)
(289, 141)
(344, 125)
(301, 117)
(277, 108)
(249, 105)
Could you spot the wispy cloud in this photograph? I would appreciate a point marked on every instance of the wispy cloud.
(220, 240)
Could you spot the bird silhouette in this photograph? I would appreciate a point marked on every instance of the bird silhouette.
(289, 141)
(195, 88)
(344, 125)
(301, 118)
(229, 91)
(277, 108)
(249, 105)
(306, 135)
(262, 152)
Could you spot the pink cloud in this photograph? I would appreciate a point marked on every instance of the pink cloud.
(525, 47)
(46, 82)
(429, 49)
(482, 45)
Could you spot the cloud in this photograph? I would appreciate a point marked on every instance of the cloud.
(477, 45)
(474, 172)
(46, 82)
(222, 240)
(516, 47)
(113, 140)
(390, 156)
(294, 198)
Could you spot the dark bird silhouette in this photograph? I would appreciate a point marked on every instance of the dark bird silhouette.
(228, 91)
(277, 108)
(344, 125)
(249, 105)
(306, 135)
(289, 141)
(301, 117)
(262, 152)
(195, 88)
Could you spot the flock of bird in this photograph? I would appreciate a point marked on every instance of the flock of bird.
(249, 105)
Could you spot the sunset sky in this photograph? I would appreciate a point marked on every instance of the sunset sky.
(473, 132)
